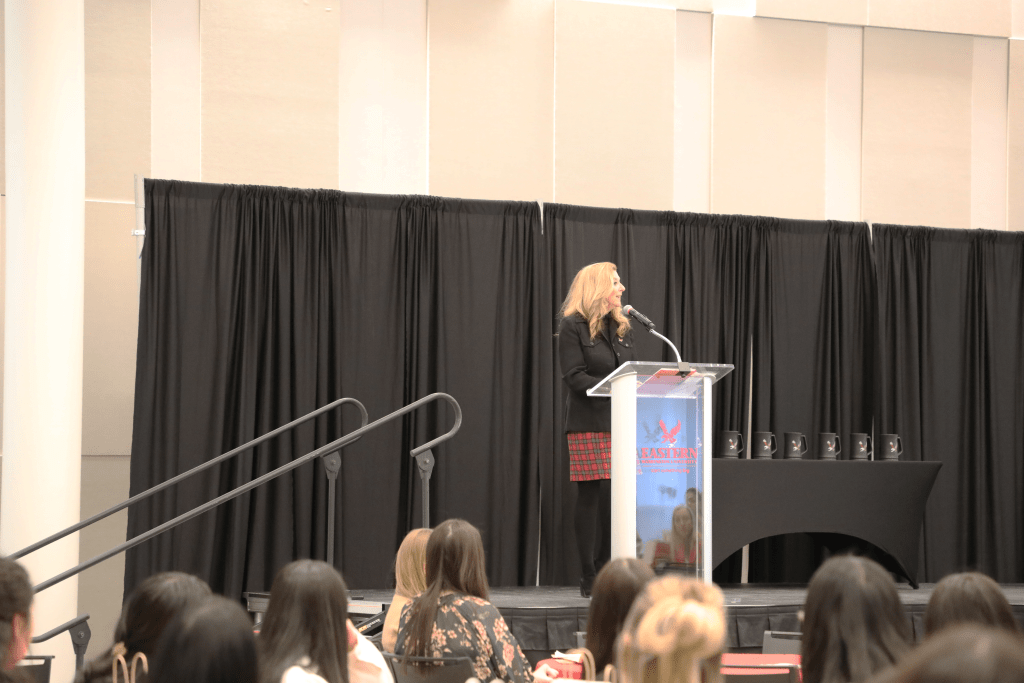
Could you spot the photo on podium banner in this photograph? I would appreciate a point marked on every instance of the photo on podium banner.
(669, 476)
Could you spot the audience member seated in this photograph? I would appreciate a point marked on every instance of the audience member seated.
(211, 642)
(616, 586)
(969, 597)
(674, 633)
(854, 625)
(962, 653)
(15, 618)
(410, 581)
(146, 613)
(452, 617)
(306, 636)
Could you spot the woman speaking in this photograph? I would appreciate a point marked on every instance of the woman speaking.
(594, 338)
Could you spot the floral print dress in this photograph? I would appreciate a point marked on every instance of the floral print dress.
(468, 626)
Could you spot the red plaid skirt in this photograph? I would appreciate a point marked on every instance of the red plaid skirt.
(590, 455)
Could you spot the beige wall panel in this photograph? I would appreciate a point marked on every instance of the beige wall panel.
(3, 107)
(3, 302)
(917, 128)
(833, 11)
(491, 91)
(175, 89)
(843, 104)
(382, 125)
(117, 98)
(270, 92)
(1015, 134)
(768, 154)
(111, 329)
(1017, 24)
(692, 170)
(988, 133)
(614, 105)
(101, 588)
(980, 17)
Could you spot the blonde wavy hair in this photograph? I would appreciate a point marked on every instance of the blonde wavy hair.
(675, 629)
(588, 296)
(410, 564)
(685, 543)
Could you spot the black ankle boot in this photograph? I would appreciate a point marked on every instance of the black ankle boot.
(586, 583)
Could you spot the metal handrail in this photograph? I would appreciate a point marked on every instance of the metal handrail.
(195, 470)
(418, 452)
(80, 637)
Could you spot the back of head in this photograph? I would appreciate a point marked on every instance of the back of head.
(211, 642)
(307, 617)
(455, 559)
(616, 586)
(675, 629)
(15, 605)
(455, 562)
(970, 597)
(145, 615)
(152, 605)
(964, 653)
(410, 564)
(854, 625)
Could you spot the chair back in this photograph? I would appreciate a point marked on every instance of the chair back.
(430, 669)
(781, 643)
(37, 666)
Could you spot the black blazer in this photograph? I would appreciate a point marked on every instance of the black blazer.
(585, 362)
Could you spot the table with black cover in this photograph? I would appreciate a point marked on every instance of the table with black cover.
(881, 502)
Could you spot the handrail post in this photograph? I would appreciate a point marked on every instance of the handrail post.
(80, 637)
(78, 629)
(425, 464)
(332, 463)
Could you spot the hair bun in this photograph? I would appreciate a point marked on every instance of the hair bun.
(674, 623)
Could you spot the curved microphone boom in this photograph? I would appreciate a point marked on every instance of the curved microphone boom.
(684, 367)
(639, 317)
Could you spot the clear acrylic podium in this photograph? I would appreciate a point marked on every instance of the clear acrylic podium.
(661, 463)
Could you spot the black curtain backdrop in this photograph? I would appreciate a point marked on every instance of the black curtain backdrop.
(951, 384)
(261, 304)
(813, 347)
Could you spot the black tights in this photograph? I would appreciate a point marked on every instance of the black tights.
(593, 522)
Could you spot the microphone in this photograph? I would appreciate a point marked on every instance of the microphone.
(638, 316)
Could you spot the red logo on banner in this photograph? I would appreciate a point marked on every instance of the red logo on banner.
(667, 436)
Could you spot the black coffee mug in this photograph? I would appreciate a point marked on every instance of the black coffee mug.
(828, 445)
(731, 445)
(762, 445)
(861, 446)
(795, 445)
(892, 447)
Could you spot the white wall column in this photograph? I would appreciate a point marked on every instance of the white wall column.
(45, 164)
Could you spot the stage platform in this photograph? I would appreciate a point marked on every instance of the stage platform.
(546, 618)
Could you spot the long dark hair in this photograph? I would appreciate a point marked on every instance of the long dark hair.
(854, 624)
(963, 652)
(455, 562)
(145, 615)
(307, 617)
(616, 586)
(211, 642)
(970, 597)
